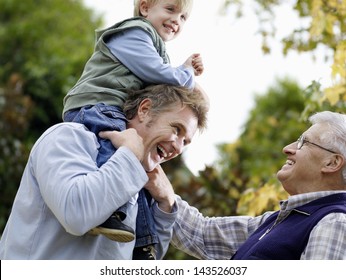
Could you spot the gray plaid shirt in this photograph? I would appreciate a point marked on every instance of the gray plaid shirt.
(219, 237)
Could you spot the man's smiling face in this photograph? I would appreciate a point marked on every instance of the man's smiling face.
(166, 135)
(303, 168)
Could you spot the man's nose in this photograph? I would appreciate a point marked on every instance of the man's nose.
(179, 145)
(290, 148)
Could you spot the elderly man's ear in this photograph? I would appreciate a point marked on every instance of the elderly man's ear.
(333, 163)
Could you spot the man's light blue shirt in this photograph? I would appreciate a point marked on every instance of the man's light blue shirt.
(63, 194)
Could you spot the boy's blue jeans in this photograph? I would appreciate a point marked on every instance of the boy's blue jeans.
(101, 117)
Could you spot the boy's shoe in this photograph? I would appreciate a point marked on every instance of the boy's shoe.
(114, 229)
(144, 253)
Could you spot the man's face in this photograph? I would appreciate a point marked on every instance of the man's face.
(167, 18)
(303, 168)
(166, 135)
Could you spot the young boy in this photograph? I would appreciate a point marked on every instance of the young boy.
(128, 56)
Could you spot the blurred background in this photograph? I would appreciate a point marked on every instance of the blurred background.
(269, 64)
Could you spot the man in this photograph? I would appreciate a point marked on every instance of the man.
(63, 194)
(311, 223)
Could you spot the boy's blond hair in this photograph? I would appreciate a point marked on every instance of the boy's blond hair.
(184, 5)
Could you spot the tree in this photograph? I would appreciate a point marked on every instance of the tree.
(274, 122)
(15, 110)
(248, 166)
(44, 46)
(47, 44)
(322, 27)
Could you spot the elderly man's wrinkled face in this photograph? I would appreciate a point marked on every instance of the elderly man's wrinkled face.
(304, 166)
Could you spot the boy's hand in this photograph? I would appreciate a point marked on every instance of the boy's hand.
(197, 64)
(127, 138)
(195, 61)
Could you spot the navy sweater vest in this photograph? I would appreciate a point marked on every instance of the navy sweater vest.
(287, 240)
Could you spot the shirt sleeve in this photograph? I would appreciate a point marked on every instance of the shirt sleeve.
(215, 238)
(327, 239)
(164, 225)
(80, 194)
(134, 48)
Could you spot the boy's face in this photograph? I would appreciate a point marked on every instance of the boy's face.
(166, 17)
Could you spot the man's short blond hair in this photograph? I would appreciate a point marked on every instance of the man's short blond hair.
(184, 5)
(166, 97)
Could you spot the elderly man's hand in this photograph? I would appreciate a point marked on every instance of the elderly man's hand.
(161, 189)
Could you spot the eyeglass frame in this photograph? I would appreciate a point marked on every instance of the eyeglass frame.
(301, 141)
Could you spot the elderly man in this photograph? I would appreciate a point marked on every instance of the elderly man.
(311, 224)
(63, 194)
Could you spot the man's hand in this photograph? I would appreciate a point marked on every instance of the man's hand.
(161, 189)
(128, 138)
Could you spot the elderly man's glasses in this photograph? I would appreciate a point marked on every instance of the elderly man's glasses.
(301, 141)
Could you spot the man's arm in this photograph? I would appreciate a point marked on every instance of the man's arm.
(80, 194)
(327, 239)
(164, 208)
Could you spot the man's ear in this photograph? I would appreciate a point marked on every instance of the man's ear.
(143, 8)
(144, 109)
(333, 163)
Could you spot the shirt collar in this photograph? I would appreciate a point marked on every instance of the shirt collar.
(297, 200)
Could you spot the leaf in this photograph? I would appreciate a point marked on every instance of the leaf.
(333, 94)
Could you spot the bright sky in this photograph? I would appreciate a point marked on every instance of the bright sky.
(235, 68)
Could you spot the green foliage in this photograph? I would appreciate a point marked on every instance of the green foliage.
(322, 27)
(317, 101)
(44, 46)
(15, 111)
(47, 43)
(252, 162)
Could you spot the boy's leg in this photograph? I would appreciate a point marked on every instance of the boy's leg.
(146, 235)
(98, 118)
